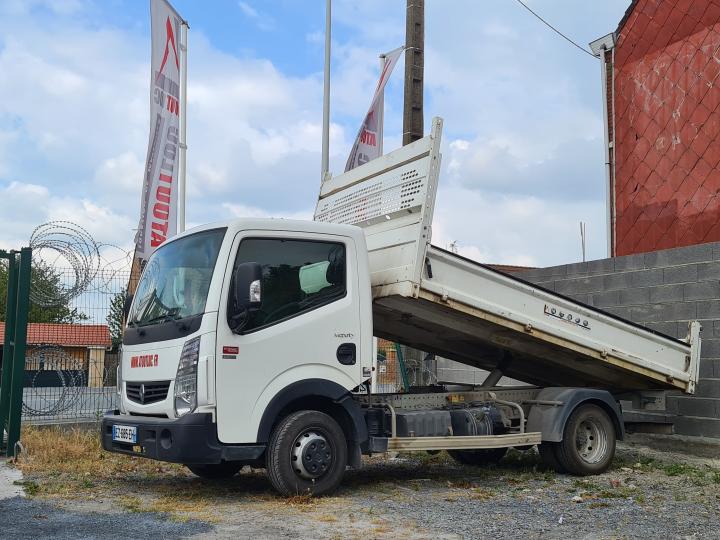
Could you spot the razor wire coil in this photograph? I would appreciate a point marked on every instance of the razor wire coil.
(69, 372)
(66, 243)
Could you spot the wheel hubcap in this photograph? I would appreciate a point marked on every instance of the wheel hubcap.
(311, 455)
(591, 440)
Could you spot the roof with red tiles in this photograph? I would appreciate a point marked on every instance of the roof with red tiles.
(65, 335)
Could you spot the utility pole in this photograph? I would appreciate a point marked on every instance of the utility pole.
(325, 165)
(414, 68)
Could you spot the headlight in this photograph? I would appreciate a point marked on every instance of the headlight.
(118, 377)
(186, 378)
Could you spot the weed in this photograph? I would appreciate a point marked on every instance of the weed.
(586, 485)
(131, 503)
(481, 494)
(31, 488)
(304, 499)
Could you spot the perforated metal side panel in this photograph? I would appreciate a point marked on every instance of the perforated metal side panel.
(403, 189)
(392, 198)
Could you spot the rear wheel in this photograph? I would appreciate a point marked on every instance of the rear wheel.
(216, 471)
(307, 453)
(588, 444)
(478, 457)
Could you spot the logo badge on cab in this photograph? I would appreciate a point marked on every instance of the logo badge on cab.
(230, 352)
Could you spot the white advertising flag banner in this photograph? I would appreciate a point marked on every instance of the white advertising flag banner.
(367, 142)
(159, 205)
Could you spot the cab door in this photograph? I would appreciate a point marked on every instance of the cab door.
(307, 326)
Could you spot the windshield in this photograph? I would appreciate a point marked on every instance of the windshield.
(175, 282)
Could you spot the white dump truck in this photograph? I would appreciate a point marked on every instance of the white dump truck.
(251, 342)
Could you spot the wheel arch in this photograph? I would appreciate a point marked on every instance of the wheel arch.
(551, 419)
(319, 395)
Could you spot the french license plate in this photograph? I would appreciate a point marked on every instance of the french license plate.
(127, 434)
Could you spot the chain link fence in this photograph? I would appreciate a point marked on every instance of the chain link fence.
(73, 344)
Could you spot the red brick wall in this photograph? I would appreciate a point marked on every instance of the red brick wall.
(667, 126)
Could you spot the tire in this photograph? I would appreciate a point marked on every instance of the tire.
(216, 471)
(307, 454)
(478, 458)
(588, 444)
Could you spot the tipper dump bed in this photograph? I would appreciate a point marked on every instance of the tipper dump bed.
(440, 302)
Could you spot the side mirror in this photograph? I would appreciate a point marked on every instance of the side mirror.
(247, 289)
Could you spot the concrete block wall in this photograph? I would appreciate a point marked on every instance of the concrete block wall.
(663, 290)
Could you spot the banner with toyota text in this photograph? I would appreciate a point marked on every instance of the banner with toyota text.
(367, 142)
(158, 212)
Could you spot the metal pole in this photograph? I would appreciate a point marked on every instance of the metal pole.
(325, 168)
(381, 109)
(183, 128)
(608, 164)
(7, 356)
(414, 69)
(18, 359)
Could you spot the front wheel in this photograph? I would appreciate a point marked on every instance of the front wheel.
(216, 471)
(307, 453)
(588, 444)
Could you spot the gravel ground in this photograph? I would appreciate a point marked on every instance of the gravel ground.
(646, 493)
(23, 518)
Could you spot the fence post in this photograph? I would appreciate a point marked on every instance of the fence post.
(5, 376)
(17, 367)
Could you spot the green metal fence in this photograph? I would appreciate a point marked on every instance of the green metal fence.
(13, 357)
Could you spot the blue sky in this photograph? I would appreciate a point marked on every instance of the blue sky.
(522, 150)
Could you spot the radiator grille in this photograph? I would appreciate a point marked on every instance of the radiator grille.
(147, 392)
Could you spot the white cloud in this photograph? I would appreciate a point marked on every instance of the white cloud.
(527, 231)
(240, 211)
(263, 21)
(122, 172)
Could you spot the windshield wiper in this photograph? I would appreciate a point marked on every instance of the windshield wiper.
(171, 315)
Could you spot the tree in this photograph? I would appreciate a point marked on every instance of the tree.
(115, 318)
(47, 279)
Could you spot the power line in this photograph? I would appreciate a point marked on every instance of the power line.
(558, 32)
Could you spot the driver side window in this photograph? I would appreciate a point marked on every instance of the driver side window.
(297, 276)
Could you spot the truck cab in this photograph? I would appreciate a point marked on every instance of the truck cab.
(230, 321)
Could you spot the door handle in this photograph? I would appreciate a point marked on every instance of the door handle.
(346, 354)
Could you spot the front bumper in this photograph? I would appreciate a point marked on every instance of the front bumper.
(191, 439)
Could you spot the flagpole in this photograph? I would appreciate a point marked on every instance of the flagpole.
(183, 128)
(381, 109)
(326, 99)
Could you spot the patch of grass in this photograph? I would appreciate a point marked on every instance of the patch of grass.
(304, 499)
(73, 458)
(715, 477)
(481, 494)
(598, 504)
(70, 464)
(679, 469)
(131, 503)
(695, 475)
(31, 488)
(617, 493)
(586, 485)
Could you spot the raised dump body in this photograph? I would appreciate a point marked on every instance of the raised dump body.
(440, 302)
